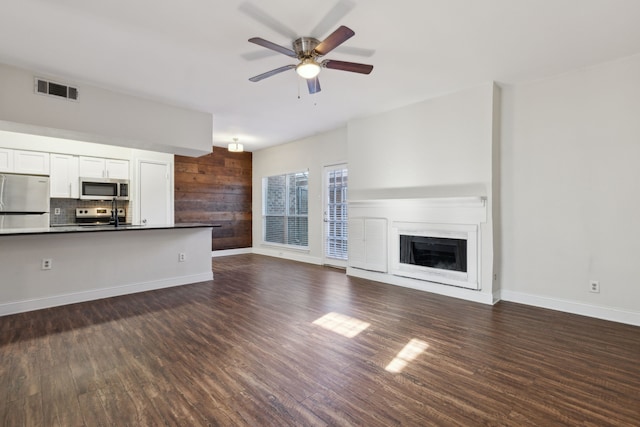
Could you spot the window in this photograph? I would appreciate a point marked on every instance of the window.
(284, 209)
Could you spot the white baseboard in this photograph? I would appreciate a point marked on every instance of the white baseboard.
(294, 256)
(225, 252)
(421, 285)
(605, 313)
(95, 294)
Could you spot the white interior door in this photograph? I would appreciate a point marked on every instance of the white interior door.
(155, 193)
(335, 235)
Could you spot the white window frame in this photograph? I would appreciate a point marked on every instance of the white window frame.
(287, 215)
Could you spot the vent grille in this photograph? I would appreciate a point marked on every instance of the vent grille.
(46, 87)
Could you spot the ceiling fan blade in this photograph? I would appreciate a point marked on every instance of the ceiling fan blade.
(267, 20)
(269, 45)
(331, 19)
(271, 73)
(334, 40)
(313, 85)
(353, 67)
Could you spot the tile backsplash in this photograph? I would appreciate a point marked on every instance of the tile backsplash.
(68, 209)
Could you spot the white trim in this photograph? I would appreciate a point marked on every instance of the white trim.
(435, 288)
(294, 256)
(225, 252)
(76, 297)
(428, 202)
(605, 313)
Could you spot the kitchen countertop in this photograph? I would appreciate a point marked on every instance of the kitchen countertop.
(98, 228)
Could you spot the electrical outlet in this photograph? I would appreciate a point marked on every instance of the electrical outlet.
(594, 286)
(182, 257)
(56, 211)
(46, 263)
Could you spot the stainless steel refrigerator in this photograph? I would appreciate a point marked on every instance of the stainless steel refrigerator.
(24, 201)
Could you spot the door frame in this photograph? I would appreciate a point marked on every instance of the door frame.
(325, 169)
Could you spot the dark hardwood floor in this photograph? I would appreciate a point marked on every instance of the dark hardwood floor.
(278, 343)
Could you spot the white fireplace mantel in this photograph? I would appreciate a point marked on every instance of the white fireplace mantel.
(428, 202)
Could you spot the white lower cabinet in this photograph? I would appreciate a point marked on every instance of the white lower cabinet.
(368, 243)
(64, 176)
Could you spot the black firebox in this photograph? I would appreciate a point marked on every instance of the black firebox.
(434, 252)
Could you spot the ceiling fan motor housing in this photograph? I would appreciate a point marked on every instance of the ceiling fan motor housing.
(304, 47)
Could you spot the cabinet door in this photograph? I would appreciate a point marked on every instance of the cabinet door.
(64, 176)
(92, 167)
(6, 160)
(31, 162)
(368, 244)
(357, 255)
(117, 168)
(376, 244)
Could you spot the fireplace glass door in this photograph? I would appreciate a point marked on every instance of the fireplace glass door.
(434, 252)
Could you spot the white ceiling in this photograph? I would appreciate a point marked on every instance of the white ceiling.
(195, 54)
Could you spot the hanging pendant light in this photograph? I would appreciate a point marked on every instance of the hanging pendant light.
(235, 147)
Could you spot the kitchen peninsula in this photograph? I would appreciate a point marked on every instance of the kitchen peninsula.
(47, 267)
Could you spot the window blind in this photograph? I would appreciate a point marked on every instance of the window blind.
(285, 209)
(336, 219)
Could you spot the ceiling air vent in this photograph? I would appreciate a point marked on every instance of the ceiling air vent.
(46, 87)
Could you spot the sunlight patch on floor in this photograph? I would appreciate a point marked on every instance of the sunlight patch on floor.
(413, 349)
(341, 324)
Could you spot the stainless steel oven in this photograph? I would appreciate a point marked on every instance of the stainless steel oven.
(100, 216)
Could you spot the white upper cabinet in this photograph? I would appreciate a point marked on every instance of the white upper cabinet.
(97, 167)
(28, 162)
(33, 162)
(117, 168)
(92, 167)
(6, 160)
(64, 176)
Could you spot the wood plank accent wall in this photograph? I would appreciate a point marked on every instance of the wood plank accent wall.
(216, 189)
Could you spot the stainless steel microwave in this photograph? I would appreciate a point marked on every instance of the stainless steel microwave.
(104, 189)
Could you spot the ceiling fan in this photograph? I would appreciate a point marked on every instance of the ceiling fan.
(308, 50)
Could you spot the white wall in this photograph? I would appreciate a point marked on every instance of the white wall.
(438, 148)
(310, 154)
(571, 191)
(101, 116)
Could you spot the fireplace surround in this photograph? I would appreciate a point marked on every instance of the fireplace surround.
(440, 253)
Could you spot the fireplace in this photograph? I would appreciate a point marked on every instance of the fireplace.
(436, 252)
(441, 253)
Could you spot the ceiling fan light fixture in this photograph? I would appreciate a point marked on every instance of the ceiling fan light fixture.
(235, 147)
(308, 68)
